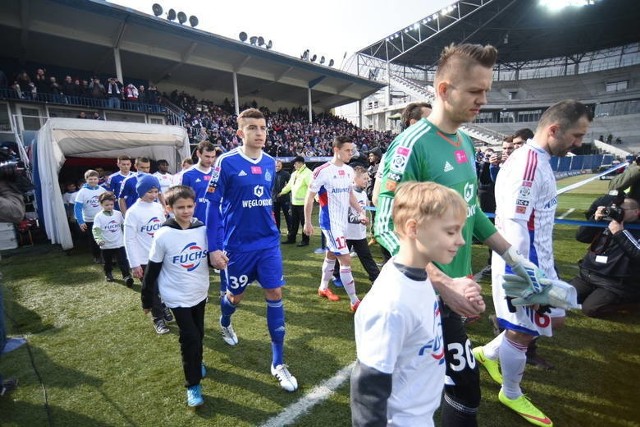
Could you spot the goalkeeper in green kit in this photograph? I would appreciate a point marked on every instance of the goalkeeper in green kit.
(435, 150)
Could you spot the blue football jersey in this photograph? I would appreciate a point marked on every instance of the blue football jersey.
(114, 184)
(199, 181)
(240, 216)
(128, 189)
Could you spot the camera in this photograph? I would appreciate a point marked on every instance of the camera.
(8, 170)
(613, 213)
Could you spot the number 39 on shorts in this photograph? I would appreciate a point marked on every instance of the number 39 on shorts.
(237, 282)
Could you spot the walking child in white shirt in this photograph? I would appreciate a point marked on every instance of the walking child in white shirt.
(400, 371)
(107, 232)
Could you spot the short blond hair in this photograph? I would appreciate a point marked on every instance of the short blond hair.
(91, 172)
(424, 200)
(463, 57)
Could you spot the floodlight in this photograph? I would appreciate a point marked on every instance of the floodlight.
(182, 17)
(253, 40)
(314, 57)
(171, 15)
(243, 36)
(269, 44)
(193, 20)
(322, 59)
(331, 62)
(157, 9)
(260, 41)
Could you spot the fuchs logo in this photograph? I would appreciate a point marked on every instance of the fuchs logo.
(190, 256)
(435, 346)
(93, 202)
(151, 226)
(113, 226)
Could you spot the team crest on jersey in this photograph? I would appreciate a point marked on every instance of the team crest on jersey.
(151, 226)
(267, 176)
(190, 256)
(461, 156)
(258, 190)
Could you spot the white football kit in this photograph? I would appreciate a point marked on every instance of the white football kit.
(333, 184)
(526, 200)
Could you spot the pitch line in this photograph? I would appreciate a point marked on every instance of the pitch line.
(564, 215)
(318, 394)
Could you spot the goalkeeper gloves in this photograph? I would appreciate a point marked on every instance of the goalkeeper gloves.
(555, 293)
(528, 271)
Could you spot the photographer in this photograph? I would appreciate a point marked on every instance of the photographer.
(610, 271)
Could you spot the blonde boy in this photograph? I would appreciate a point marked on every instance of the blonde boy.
(399, 375)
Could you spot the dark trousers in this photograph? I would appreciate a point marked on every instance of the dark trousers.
(283, 205)
(120, 255)
(190, 321)
(95, 249)
(157, 309)
(361, 247)
(297, 220)
(599, 296)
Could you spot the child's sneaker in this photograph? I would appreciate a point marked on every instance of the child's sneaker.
(168, 316)
(128, 280)
(282, 374)
(337, 282)
(160, 327)
(109, 277)
(355, 306)
(194, 396)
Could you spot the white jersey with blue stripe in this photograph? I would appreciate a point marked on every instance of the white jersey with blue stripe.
(333, 184)
(240, 216)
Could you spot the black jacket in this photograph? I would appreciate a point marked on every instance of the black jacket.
(612, 256)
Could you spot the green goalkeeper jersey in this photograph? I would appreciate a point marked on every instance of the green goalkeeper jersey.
(424, 153)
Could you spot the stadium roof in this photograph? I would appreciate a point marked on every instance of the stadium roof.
(82, 35)
(522, 30)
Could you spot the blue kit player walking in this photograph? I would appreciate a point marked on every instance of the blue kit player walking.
(242, 234)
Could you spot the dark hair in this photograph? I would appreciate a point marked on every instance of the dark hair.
(339, 141)
(298, 159)
(162, 162)
(524, 133)
(108, 195)
(413, 111)
(142, 160)
(205, 146)
(179, 192)
(565, 113)
(124, 157)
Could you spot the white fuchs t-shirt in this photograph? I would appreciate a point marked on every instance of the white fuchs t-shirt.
(398, 331)
(89, 199)
(166, 181)
(141, 222)
(111, 226)
(184, 277)
(356, 230)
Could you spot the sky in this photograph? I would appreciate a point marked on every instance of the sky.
(328, 28)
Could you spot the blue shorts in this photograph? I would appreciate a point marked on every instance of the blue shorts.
(264, 265)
